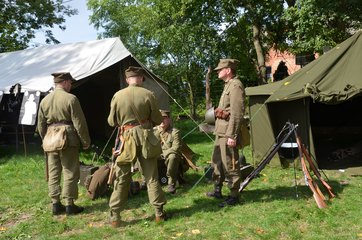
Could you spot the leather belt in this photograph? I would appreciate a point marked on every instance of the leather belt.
(61, 123)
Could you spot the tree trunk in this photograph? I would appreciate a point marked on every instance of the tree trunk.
(207, 94)
(192, 102)
(261, 69)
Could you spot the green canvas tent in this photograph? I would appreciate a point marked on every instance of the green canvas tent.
(323, 98)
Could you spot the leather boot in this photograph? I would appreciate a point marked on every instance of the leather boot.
(73, 209)
(216, 193)
(230, 201)
(58, 208)
(116, 224)
(161, 218)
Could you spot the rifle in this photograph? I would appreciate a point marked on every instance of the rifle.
(118, 144)
(314, 169)
(317, 193)
(269, 157)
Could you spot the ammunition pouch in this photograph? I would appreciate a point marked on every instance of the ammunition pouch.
(222, 114)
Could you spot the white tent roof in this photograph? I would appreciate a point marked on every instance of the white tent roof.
(32, 67)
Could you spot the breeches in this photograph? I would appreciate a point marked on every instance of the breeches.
(66, 161)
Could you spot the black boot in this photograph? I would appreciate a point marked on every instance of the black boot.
(58, 208)
(73, 209)
(216, 193)
(230, 201)
(171, 188)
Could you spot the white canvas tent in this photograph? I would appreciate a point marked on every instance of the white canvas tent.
(98, 66)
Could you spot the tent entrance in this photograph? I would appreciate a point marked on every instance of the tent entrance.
(337, 134)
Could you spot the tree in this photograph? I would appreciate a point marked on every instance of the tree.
(177, 39)
(315, 24)
(19, 21)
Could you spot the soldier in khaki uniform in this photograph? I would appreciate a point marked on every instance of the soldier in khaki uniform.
(229, 115)
(171, 146)
(62, 110)
(135, 110)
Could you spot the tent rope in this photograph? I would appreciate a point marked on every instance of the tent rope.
(174, 100)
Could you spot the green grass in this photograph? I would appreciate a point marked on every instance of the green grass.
(269, 209)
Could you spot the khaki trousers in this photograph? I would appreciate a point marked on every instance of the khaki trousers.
(226, 166)
(173, 167)
(66, 161)
(122, 183)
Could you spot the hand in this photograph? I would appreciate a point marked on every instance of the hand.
(231, 142)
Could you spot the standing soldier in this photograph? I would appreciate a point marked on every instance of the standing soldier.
(229, 115)
(62, 127)
(171, 146)
(135, 110)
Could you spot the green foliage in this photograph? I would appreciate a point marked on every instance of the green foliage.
(19, 21)
(315, 24)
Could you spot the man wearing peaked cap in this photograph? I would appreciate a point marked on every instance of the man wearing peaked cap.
(229, 115)
(135, 111)
(60, 111)
(62, 76)
(171, 150)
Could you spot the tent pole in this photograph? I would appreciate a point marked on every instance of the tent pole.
(24, 141)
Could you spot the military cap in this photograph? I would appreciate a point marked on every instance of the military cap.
(62, 76)
(165, 113)
(134, 71)
(227, 63)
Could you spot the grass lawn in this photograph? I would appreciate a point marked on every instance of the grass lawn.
(272, 206)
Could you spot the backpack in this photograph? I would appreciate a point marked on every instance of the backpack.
(96, 184)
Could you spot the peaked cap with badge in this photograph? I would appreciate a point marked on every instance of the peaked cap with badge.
(227, 63)
(62, 76)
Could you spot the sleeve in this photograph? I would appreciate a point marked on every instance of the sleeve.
(176, 143)
(112, 119)
(42, 123)
(237, 108)
(80, 123)
(156, 117)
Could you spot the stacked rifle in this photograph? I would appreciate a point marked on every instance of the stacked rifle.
(286, 133)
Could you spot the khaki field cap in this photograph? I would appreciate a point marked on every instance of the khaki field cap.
(134, 71)
(227, 63)
(165, 113)
(62, 76)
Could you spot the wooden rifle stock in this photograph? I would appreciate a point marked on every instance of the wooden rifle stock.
(314, 169)
(317, 193)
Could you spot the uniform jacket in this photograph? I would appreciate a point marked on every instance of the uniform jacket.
(60, 106)
(144, 103)
(171, 140)
(231, 100)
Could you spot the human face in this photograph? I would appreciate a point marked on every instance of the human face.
(223, 73)
(165, 123)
